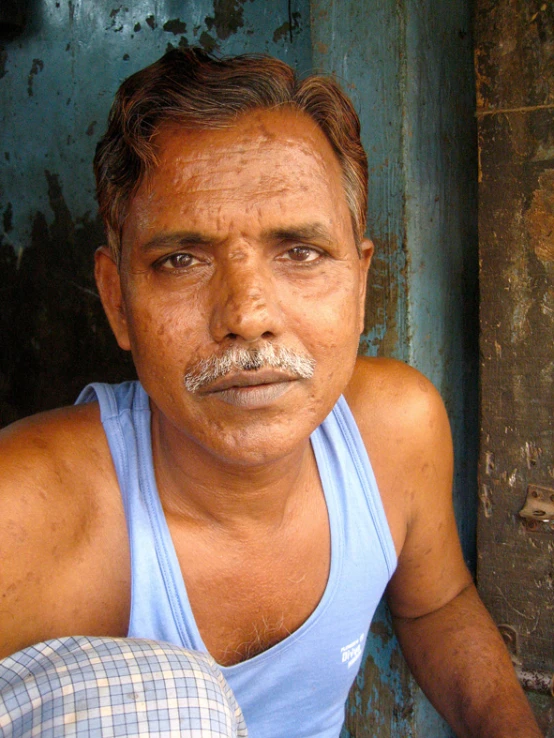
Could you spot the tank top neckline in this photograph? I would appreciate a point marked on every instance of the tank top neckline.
(174, 578)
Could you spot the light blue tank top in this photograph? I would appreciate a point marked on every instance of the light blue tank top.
(297, 688)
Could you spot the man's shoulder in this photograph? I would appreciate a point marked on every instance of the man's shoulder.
(405, 429)
(390, 395)
(53, 465)
(61, 524)
(402, 420)
(53, 445)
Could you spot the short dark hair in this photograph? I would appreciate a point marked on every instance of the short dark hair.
(197, 90)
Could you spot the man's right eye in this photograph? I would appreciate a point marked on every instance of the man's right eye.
(175, 262)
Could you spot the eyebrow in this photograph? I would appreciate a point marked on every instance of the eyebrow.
(301, 232)
(182, 239)
(178, 239)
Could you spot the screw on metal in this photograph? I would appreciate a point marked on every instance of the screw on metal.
(510, 636)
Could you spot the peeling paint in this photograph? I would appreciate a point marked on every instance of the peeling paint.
(114, 18)
(531, 453)
(227, 17)
(207, 42)
(37, 66)
(175, 26)
(381, 334)
(183, 44)
(547, 303)
(287, 30)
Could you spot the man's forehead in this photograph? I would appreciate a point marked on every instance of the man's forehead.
(263, 130)
(276, 163)
(257, 158)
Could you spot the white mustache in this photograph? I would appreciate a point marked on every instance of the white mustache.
(238, 358)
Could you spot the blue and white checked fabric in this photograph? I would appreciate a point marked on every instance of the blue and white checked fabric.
(81, 686)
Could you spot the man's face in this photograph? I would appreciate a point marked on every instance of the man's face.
(242, 237)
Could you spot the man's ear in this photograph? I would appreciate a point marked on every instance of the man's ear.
(366, 254)
(109, 288)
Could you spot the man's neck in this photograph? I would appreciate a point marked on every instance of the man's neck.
(196, 485)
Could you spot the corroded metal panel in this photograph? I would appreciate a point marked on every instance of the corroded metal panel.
(515, 73)
(57, 79)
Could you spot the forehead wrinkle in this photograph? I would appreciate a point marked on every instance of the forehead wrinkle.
(238, 193)
(223, 155)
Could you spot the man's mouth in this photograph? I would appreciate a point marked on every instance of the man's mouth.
(267, 363)
(250, 389)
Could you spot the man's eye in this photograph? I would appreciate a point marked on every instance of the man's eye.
(176, 261)
(302, 254)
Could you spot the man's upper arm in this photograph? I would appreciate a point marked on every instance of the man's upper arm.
(405, 426)
(45, 521)
(26, 537)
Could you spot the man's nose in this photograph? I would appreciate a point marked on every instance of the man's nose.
(245, 303)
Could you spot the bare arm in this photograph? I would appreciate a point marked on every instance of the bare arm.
(62, 548)
(449, 640)
(461, 663)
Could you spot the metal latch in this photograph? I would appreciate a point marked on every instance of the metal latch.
(534, 680)
(539, 507)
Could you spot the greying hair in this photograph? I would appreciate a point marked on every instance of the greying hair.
(245, 359)
(196, 90)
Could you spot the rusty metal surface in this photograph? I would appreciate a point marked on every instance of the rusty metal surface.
(536, 681)
(515, 75)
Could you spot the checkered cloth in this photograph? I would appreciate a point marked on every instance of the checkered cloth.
(115, 687)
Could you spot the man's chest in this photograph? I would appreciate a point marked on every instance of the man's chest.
(247, 596)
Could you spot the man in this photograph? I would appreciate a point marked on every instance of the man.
(257, 492)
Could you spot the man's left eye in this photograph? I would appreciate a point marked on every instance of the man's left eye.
(302, 254)
(176, 262)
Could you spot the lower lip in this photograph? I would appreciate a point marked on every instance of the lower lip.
(254, 396)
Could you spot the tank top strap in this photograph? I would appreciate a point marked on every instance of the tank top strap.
(159, 605)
